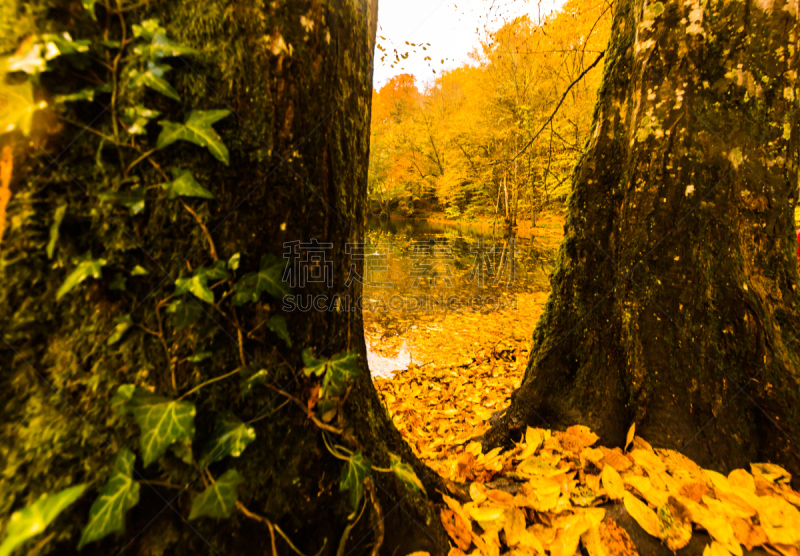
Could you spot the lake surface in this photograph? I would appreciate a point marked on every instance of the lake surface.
(418, 274)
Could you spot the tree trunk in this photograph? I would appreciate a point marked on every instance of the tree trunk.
(674, 302)
(297, 77)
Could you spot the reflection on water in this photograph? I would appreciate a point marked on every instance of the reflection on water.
(417, 272)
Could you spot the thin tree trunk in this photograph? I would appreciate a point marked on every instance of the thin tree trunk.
(674, 302)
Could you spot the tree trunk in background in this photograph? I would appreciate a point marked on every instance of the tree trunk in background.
(298, 77)
(674, 302)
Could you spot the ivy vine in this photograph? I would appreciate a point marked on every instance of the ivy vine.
(166, 422)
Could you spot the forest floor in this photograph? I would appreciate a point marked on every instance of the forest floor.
(556, 492)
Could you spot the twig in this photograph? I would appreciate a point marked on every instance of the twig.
(309, 413)
(164, 344)
(377, 515)
(138, 160)
(348, 529)
(560, 102)
(206, 383)
(205, 230)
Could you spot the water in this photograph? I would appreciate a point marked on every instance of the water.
(417, 272)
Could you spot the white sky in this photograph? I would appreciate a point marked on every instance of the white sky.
(452, 27)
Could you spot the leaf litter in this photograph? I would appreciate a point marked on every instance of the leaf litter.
(547, 494)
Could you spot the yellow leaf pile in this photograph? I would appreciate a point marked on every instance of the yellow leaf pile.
(547, 495)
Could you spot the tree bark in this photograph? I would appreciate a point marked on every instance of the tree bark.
(674, 302)
(297, 77)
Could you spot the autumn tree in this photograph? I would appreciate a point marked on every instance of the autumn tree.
(149, 369)
(674, 302)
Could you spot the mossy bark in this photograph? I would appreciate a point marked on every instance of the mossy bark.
(297, 76)
(674, 302)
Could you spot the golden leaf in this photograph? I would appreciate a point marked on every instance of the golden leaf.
(458, 530)
(612, 482)
(780, 520)
(743, 479)
(514, 526)
(748, 534)
(643, 515)
(654, 496)
(771, 472)
(673, 528)
(629, 437)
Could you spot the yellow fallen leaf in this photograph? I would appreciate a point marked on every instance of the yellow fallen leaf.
(643, 515)
(747, 533)
(457, 528)
(477, 492)
(719, 481)
(780, 520)
(654, 496)
(514, 526)
(743, 479)
(727, 506)
(673, 528)
(569, 535)
(771, 472)
(717, 525)
(419, 553)
(487, 517)
(629, 437)
(612, 482)
(647, 460)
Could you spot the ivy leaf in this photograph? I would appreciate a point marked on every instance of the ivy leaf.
(233, 262)
(268, 279)
(122, 397)
(147, 29)
(160, 46)
(86, 268)
(137, 117)
(32, 520)
(123, 324)
(18, 105)
(88, 5)
(277, 323)
(186, 312)
(196, 129)
(184, 185)
(199, 357)
(355, 470)
(54, 227)
(405, 473)
(230, 437)
(183, 451)
(198, 283)
(342, 368)
(133, 200)
(84, 94)
(34, 59)
(153, 78)
(162, 422)
(247, 383)
(120, 494)
(219, 499)
(139, 271)
(313, 366)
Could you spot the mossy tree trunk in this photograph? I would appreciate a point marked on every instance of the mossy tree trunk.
(297, 77)
(674, 302)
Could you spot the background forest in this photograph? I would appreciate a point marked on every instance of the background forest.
(485, 139)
